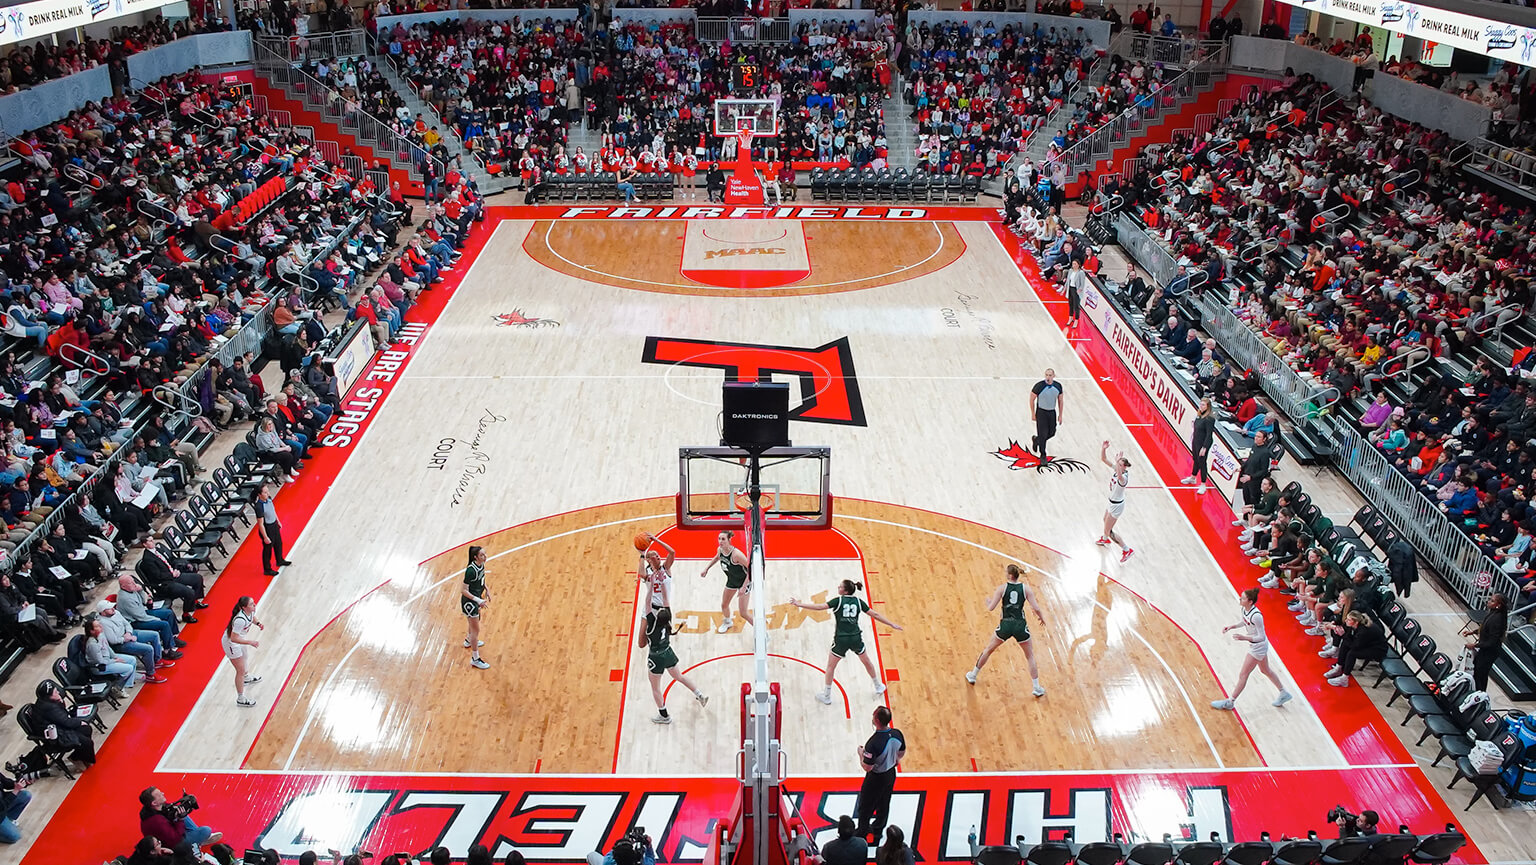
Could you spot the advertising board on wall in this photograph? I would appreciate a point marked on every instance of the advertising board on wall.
(41, 17)
(1176, 405)
(1498, 39)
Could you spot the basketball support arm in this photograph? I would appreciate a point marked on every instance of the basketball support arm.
(763, 757)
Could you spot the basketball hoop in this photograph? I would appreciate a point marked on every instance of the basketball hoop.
(767, 499)
(744, 142)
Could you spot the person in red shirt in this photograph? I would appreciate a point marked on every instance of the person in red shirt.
(169, 824)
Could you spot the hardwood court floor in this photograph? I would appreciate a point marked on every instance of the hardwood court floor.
(1102, 649)
(495, 426)
(662, 255)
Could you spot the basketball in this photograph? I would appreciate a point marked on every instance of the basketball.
(642, 541)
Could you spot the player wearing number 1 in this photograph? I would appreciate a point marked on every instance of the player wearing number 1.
(1013, 595)
(656, 639)
(848, 636)
(738, 574)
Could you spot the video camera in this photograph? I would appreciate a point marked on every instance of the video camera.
(1339, 812)
(630, 850)
(180, 808)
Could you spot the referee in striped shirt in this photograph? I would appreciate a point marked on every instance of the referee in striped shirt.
(1045, 410)
(879, 757)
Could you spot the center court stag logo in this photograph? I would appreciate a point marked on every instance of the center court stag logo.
(1019, 458)
(515, 318)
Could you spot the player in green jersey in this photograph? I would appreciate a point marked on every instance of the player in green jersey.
(659, 658)
(474, 597)
(738, 576)
(1013, 595)
(848, 636)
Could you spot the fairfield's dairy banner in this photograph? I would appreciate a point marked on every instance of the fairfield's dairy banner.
(28, 21)
(1494, 38)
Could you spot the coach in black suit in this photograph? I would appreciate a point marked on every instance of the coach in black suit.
(1255, 468)
(170, 582)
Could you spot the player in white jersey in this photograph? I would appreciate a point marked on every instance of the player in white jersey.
(1119, 479)
(1253, 634)
(657, 574)
(238, 643)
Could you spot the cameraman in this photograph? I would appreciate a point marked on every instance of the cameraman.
(1352, 825)
(633, 849)
(169, 822)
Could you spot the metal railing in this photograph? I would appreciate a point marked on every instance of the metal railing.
(341, 109)
(1502, 162)
(1156, 260)
(1167, 50)
(85, 360)
(317, 46)
(1084, 154)
(389, 65)
(160, 218)
(183, 406)
(1491, 323)
(738, 30)
(1301, 399)
(1067, 107)
(1442, 543)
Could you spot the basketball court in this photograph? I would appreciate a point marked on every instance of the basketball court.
(536, 407)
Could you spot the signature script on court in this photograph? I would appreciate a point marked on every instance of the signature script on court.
(476, 459)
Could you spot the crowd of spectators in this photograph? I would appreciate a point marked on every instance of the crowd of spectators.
(1509, 93)
(136, 235)
(503, 87)
(1376, 293)
(510, 88)
(653, 91)
(977, 93)
(30, 64)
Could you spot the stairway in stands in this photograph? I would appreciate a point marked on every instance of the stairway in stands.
(900, 131)
(285, 99)
(1203, 100)
(589, 140)
(488, 183)
(1060, 118)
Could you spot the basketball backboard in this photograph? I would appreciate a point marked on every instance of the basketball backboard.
(712, 487)
(734, 115)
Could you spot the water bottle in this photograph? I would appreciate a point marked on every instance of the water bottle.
(972, 837)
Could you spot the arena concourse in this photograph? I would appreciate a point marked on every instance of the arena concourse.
(1157, 382)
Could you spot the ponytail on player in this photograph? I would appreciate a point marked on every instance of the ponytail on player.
(1252, 595)
(229, 629)
(1014, 573)
(848, 587)
(664, 621)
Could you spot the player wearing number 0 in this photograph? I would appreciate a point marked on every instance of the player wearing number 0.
(656, 639)
(848, 636)
(1013, 595)
(738, 575)
(473, 597)
(1118, 481)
